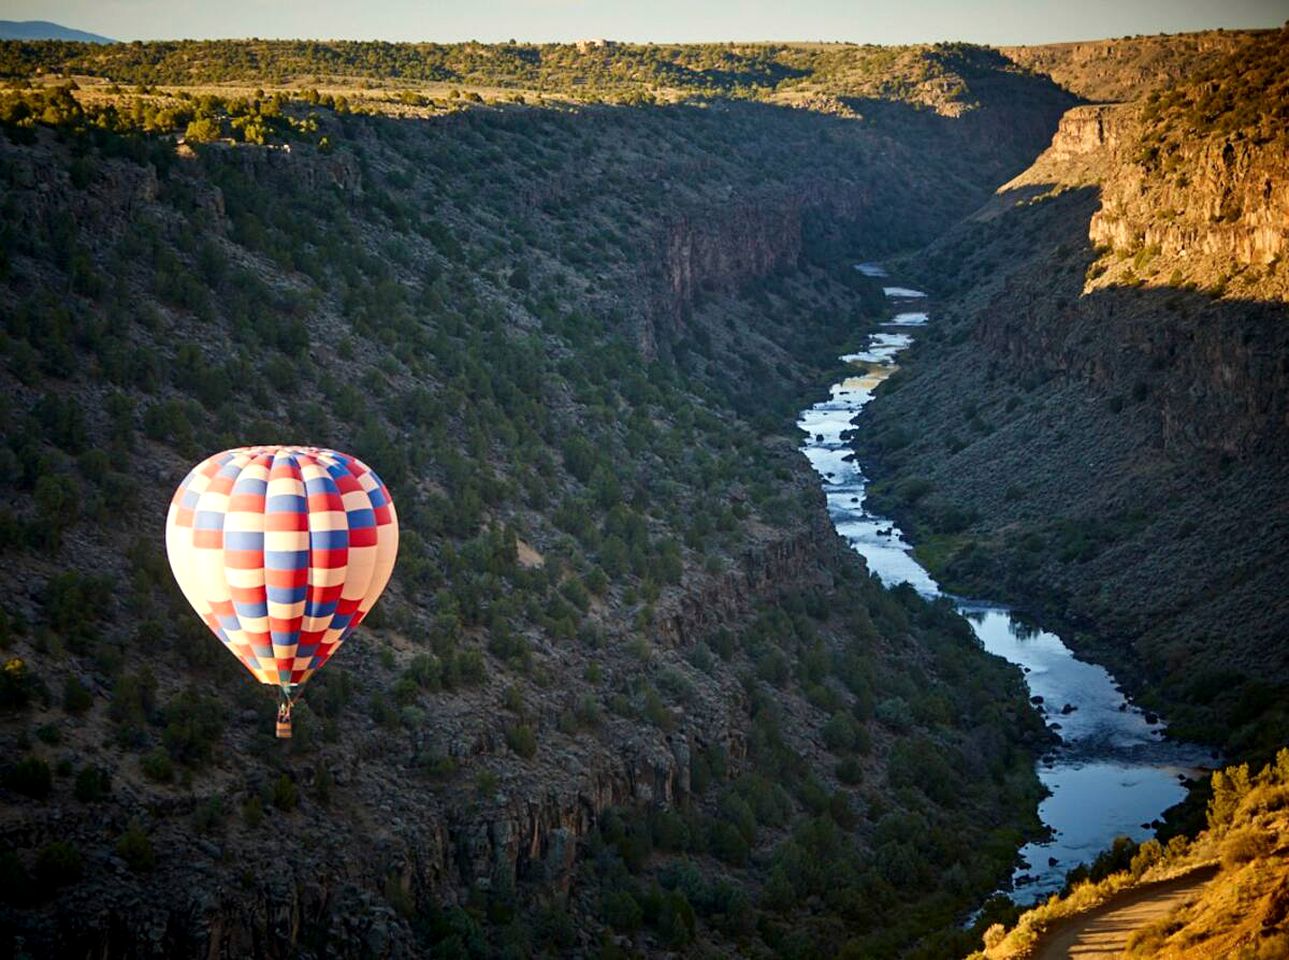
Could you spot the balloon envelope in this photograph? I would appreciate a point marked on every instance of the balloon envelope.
(282, 551)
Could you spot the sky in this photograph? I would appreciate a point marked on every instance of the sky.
(863, 21)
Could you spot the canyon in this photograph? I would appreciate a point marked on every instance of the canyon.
(629, 693)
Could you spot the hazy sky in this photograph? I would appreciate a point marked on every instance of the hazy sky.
(865, 21)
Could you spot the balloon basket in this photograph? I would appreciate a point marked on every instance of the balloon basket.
(284, 718)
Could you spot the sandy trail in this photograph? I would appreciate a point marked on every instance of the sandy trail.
(1102, 934)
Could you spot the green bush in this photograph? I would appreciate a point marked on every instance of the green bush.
(728, 844)
(93, 784)
(850, 772)
(76, 698)
(135, 848)
(194, 724)
(30, 776)
(621, 911)
(132, 706)
(253, 812)
(841, 732)
(208, 818)
(286, 796)
(50, 733)
(157, 765)
(57, 865)
(521, 739)
(203, 130)
(676, 920)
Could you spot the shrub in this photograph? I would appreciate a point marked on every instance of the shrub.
(74, 602)
(202, 130)
(399, 897)
(286, 796)
(93, 784)
(522, 740)
(135, 848)
(676, 919)
(669, 830)
(1243, 845)
(895, 713)
(194, 723)
(728, 844)
(513, 699)
(132, 705)
(57, 865)
(30, 776)
(840, 732)
(50, 733)
(994, 935)
(323, 785)
(656, 712)
(621, 911)
(850, 772)
(486, 783)
(1147, 855)
(253, 812)
(76, 698)
(208, 818)
(157, 766)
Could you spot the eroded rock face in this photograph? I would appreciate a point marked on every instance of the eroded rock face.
(316, 169)
(1231, 204)
(1217, 383)
(726, 247)
(102, 198)
(719, 600)
(1088, 129)
(1212, 205)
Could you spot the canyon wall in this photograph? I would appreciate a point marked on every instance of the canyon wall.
(1102, 398)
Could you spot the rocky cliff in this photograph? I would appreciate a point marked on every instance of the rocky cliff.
(1193, 179)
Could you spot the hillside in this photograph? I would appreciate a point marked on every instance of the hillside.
(1125, 68)
(1235, 878)
(1103, 402)
(949, 79)
(626, 694)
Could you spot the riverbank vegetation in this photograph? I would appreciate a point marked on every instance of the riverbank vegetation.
(1241, 912)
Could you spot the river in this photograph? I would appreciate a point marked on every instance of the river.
(1113, 772)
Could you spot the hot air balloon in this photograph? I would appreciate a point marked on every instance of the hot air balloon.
(282, 551)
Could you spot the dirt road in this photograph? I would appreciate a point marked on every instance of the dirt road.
(1102, 934)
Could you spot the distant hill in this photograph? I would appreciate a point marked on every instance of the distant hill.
(44, 30)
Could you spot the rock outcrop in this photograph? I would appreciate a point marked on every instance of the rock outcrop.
(1231, 207)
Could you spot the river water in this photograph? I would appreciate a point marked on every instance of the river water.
(1113, 772)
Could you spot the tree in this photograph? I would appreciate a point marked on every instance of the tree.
(202, 130)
